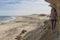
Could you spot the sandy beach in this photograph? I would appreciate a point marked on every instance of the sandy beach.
(9, 30)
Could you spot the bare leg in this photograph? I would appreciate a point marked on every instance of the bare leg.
(52, 24)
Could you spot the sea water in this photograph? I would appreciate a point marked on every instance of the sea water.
(4, 19)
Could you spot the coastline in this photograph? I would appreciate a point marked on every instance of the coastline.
(10, 30)
(6, 21)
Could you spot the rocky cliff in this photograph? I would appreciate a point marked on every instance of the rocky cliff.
(56, 5)
(41, 32)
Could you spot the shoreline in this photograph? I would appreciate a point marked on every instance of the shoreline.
(11, 19)
(12, 29)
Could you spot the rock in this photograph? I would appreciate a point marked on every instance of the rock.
(23, 31)
(56, 5)
(19, 37)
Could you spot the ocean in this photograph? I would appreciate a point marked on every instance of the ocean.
(4, 19)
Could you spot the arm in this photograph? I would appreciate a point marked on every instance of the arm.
(56, 15)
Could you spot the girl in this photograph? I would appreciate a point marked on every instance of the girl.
(53, 17)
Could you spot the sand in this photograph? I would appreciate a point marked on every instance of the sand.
(10, 30)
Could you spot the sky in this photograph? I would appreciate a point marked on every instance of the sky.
(23, 7)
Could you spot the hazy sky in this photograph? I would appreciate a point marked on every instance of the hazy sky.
(23, 7)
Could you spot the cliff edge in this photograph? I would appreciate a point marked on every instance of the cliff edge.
(32, 27)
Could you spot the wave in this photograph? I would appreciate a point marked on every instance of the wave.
(8, 19)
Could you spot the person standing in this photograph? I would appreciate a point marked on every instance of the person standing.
(53, 17)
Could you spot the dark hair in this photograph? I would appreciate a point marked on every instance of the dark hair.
(53, 9)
